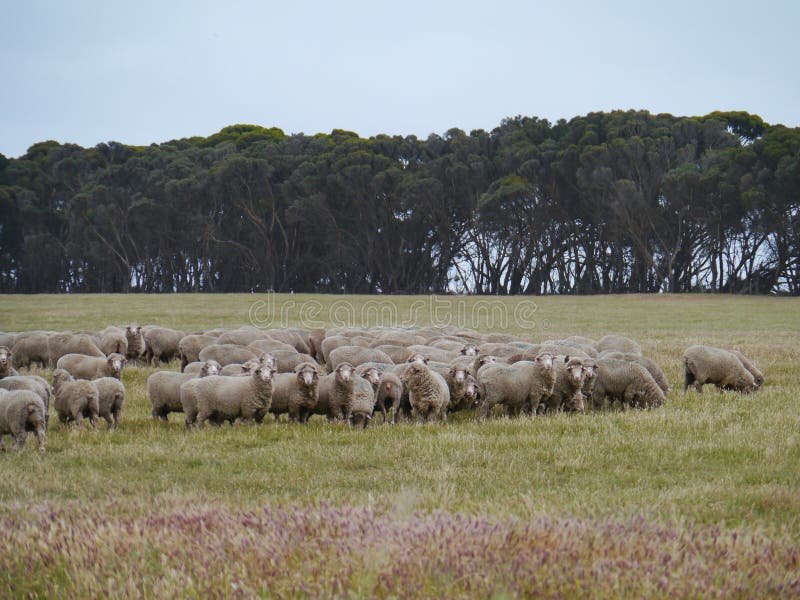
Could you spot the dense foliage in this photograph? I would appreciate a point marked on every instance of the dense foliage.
(608, 202)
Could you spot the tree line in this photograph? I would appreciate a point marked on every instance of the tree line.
(617, 202)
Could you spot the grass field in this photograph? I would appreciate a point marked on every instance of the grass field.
(700, 497)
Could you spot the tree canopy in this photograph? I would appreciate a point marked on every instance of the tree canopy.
(625, 201)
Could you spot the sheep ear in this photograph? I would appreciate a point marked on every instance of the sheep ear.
(566, 358)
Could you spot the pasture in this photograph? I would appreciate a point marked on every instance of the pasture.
(700, 496)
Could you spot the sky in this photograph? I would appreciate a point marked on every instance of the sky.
(145, 72)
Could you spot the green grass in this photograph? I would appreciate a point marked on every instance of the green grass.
(702, 461)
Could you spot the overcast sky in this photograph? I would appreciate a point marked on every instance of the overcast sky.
(140, 71)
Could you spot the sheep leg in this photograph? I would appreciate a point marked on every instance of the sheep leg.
(118, 415)
(110, 420)
(19, 441)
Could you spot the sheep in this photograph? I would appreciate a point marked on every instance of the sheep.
(91, 367)
(287, 360)
(434, 353)
(161, 344)
(499, 350)
(360, 411)
(449, 345)
(428, 393)
(190, 346)
(332, 342)
(707, 364)
(336, 392)
(8, 339)
(519, 387)
(112, 339)
(229, 398)
(30, 349)
(74, 399)
(397, 354)
(227, 354)
(197, 366)
(164, 389)
(110, 398)
(372, 373)
(390, 393)
(648, 364)
(758, 376)
(270, 345)
(579, 346)
(20, 412)
(237, 370)
(315, 337)
(399, 338)
(61, 344)
(620, 343)
(462, 387)
(500, 338)
(136, 345)
(567, 390)
(32, 383)
(590, 377)
(296, 393)
(290, 337)
(243, 337)
(356, 355)
(625, 381)
(6, 363)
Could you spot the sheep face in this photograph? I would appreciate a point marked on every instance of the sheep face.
(546, 360)
(458, 374)
(116, 362)
(372, 375)
(469, 350)
(264, 373)
(269, 361)
(485, 360)
(344, 372)
(209, 368)
(133, 330)
(5, 356)
(418, 358)
(470, 391)
(306, 373)
(575, 372)
(251, 365)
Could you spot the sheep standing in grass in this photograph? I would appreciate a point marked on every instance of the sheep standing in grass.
(428, 393)
(161, 344)
(356, 355)
(31, 349)
(707, 364)
(390, 392)
(61, 344)
(296, 393)
(110, 398)
(112, 339)
(227, 354)
(236, 370)
(618, 343)
(91, 367)
(20, 412)
(648, 364)
(336, 392)
(190, 346)
(363, 405)
(230, 398)
(628, 382)
(6, 364)
(164, 389)
(519, 387)
(567, 389)
(74, 398)
(748, 364)
(32, 383)
(136, 345)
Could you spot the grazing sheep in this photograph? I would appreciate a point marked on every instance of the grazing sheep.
(336, 392)
(237, 370)
(31, 349)
(296, 393)
(618, 343)
(190, 346)
(627, 382)
(164, 388)
(229, 398)
(91, 367)
(390, 393)
(197, 366)
(227, 354)
(112, 340)
(110, 398)
(428, 393)
(758, 376)
(567, 389)
(161, 344)
(707, 364)
(21, 411)
(74, 399)
(6, 363)
(136, 345)
(243, 337)
(32, 383)
(356, 355)
(519, 387)
(61, 344)
(360, 411)
(648, 364)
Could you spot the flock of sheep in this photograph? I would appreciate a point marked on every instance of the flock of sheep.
(342, 373)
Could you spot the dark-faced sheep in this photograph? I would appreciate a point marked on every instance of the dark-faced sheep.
(222, 399)
(110, 398)
(707, 364)
(428, 393)
(90, 367)
(164, 388)
(74, 399)
(136, 345)
(336, 392)
(20, 412)
(296, 393)
(628, 382)
(518, 387)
